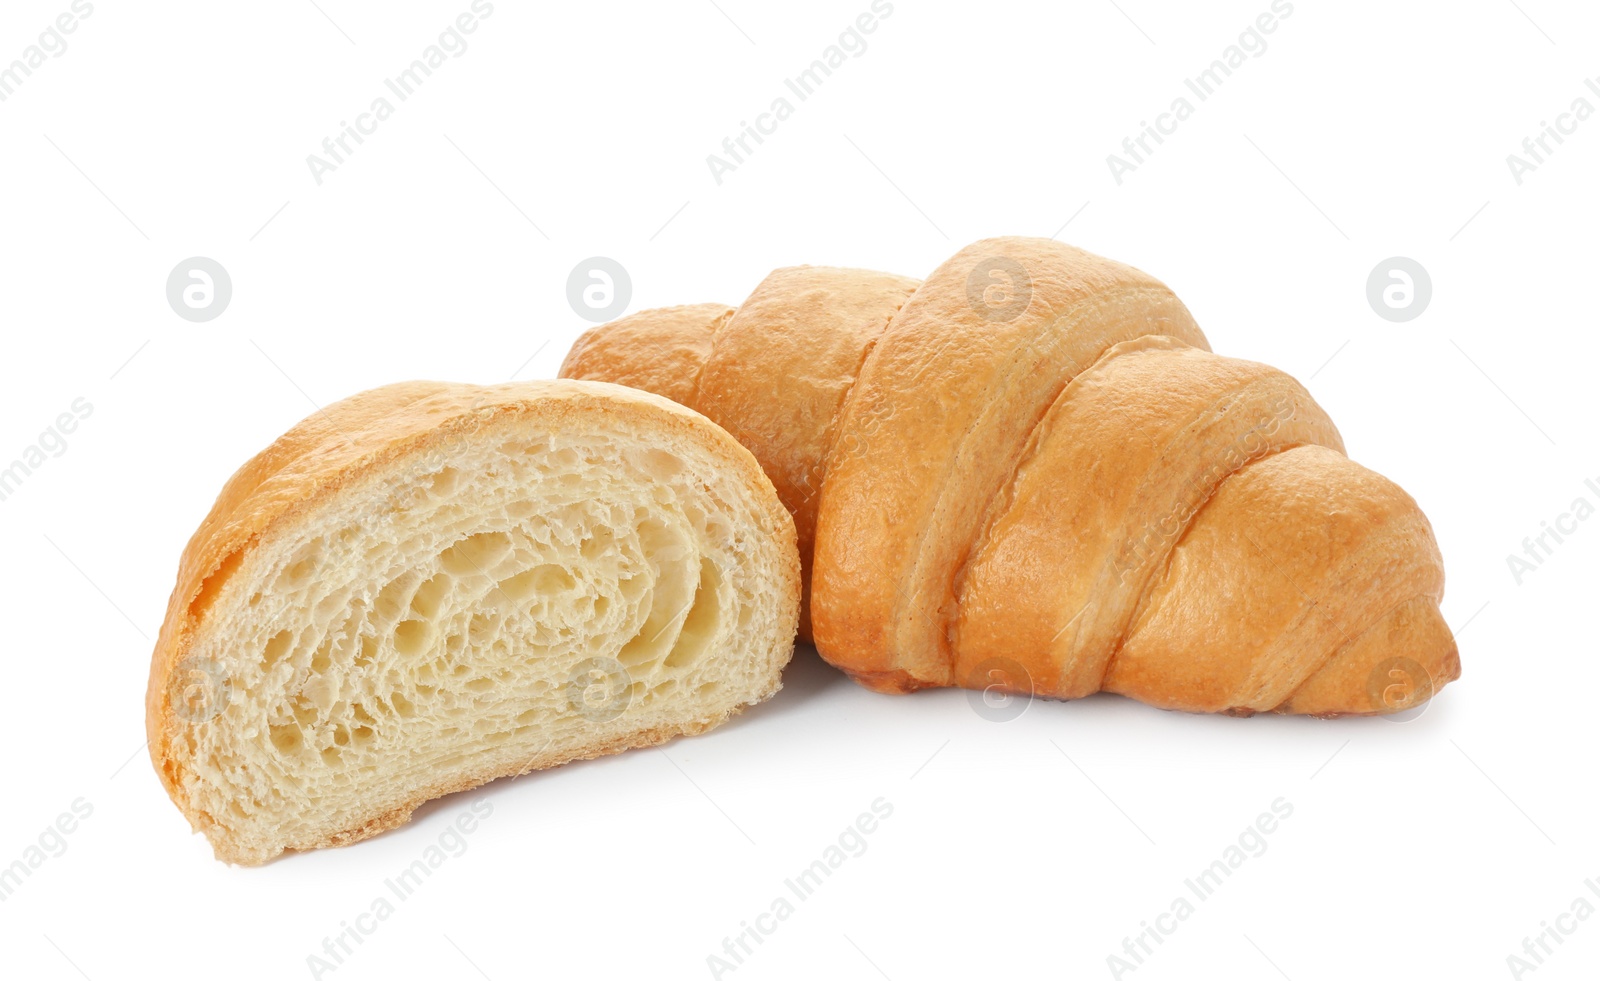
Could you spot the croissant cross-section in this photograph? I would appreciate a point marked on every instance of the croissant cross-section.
(428, 586)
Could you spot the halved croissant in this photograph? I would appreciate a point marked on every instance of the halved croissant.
(428, 586)
(1029, 472)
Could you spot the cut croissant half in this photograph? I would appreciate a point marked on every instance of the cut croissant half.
(428, 586)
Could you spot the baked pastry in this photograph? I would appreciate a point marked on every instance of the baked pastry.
(1030, 473)
(776, 378)
(428, 586)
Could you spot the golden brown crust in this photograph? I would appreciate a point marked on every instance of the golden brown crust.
(933, 427)
(1313, 549)
(1151, 430)
(1040, 463)
(1397, 663)
(775, 373)
(341, 444)
(780, 369)
(658, 351)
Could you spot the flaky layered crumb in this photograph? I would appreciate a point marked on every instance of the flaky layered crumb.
(514, 597)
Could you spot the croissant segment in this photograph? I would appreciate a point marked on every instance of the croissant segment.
(1029, 472)
(428, 586)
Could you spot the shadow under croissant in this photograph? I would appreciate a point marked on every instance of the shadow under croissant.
(807, 678)
(1129, 711)
(1000, 690)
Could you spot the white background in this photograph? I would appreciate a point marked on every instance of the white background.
(441, 249)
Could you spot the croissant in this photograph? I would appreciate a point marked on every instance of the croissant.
(1029, 473)
(427, 586)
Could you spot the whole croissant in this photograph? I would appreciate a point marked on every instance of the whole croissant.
(1029, 473)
